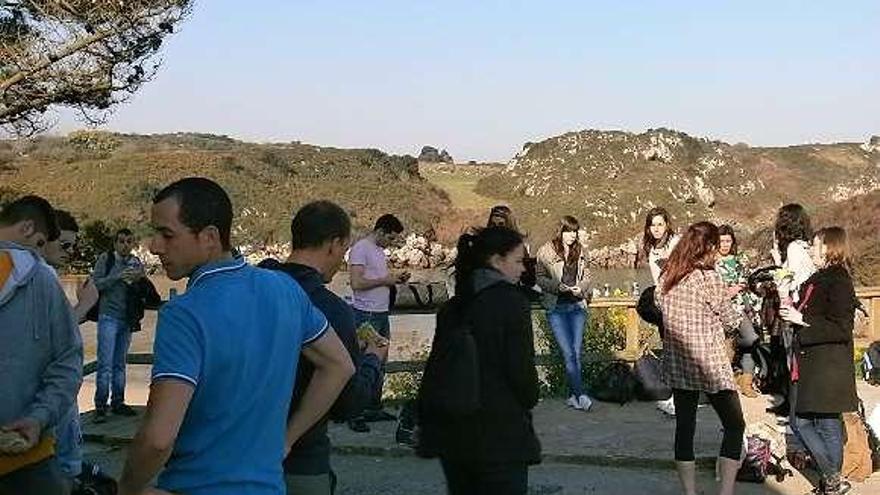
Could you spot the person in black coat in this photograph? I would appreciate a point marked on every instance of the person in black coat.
(490, 450)
(825, 371)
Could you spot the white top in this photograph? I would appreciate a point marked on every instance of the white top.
(657, 256)
(799, 262)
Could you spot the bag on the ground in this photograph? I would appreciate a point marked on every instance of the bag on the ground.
(872, 427)
(857, 462)
(871, 364)
(93, 481)
(421, 295)
(450, 385)
(615, 383)
(648, 373)
(756, 464)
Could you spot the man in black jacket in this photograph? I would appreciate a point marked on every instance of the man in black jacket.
(320, 234)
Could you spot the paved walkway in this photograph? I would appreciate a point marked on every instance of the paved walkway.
(634, 438)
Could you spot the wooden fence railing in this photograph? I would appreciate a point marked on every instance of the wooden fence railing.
(870, 297)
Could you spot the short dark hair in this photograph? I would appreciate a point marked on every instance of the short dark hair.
(35, 209)
(202, 203)
(318, 222)
(389, 223)
(123, 231)
(66, 221)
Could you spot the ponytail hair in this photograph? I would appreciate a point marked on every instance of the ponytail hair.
(475, 249)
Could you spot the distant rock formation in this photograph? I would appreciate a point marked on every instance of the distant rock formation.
(431, 154)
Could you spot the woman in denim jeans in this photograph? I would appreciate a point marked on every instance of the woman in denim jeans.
(823, 346)
(564, 279)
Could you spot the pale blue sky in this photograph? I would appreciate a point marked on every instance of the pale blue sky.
(481, 77)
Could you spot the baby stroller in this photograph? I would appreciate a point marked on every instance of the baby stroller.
(771, 369)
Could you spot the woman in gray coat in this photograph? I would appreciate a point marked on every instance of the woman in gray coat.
(564, 279)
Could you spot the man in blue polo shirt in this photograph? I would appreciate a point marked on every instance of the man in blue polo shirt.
(226, 354)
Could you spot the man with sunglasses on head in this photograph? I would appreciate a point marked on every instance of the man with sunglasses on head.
(114, 272)
(41, 355)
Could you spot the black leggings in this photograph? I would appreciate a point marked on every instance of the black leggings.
(726, 405)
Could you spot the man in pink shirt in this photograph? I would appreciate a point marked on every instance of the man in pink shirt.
(372, 285)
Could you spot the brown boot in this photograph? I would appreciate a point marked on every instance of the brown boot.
(744, 383)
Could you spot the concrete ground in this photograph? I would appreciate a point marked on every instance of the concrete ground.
(612, 449)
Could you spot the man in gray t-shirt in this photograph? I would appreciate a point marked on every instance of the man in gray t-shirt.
(114, 272)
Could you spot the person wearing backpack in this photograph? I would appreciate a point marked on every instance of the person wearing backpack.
(481, 426)
(115, 272)
(824, 368)
(697, 311)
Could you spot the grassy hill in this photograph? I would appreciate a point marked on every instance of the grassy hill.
(112, 177)
(610, 179)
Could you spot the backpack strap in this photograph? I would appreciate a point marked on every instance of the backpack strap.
(111, 261)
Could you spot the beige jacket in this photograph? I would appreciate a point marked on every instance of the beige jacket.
(549, 275)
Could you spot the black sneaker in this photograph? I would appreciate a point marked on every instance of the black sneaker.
(358, 425)
(376, 415)
(123, 410)
(100, 416)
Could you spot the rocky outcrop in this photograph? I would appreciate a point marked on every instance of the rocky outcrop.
(431, 154)
(610, 179)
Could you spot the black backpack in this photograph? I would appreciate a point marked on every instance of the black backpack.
(92, 314)
(615, 383)
(139, 296)
(871, 364)
(450, 386)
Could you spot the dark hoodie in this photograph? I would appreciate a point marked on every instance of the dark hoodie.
(311, 454)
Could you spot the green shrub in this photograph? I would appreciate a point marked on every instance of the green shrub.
(605, 334)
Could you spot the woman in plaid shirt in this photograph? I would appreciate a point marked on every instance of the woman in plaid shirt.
(697, 311)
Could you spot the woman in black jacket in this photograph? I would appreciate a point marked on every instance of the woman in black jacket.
(489, 450)
(824, 348)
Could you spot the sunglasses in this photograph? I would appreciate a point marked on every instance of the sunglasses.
(68, 245)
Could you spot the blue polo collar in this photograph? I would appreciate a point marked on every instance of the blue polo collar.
(215, 267)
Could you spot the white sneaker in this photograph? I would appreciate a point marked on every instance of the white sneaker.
(573, 403)
(666, 407)
(585, 402)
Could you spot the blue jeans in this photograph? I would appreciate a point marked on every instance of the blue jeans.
(382, 324)
(567, 322)
(68, 446)
(114, 338)
(823, 437)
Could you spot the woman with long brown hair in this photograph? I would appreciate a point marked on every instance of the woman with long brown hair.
(564, 278)
(823, 347)
(658, 241)
(697, 311)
